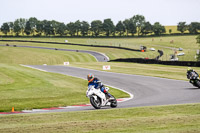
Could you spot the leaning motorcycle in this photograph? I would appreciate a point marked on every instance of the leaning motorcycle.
(98, 99)
(194, 79)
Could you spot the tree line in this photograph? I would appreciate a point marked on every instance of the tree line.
(134, 25)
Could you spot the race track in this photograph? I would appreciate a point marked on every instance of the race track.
(99, 56)
(147, 91)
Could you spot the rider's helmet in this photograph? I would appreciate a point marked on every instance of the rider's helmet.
(90, 77)
(189, 69)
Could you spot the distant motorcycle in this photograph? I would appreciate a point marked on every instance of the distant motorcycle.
(98, 99)
(194, 79)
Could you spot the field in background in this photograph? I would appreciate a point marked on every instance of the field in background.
(167, 44)
(112, 53)
(32, 56)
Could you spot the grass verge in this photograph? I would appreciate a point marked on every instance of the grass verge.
(26, 88)
(157, 119)
(154, 70)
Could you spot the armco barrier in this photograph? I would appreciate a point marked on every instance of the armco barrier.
(153, 61)
(103, 46)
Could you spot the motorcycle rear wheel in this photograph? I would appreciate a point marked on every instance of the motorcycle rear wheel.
(113, 103)
(198, 84)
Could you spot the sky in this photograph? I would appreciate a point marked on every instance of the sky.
(167, 12)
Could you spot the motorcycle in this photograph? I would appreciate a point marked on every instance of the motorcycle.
(98, 98)
(194, 80)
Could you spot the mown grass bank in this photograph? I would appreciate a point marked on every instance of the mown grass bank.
(154, 70)
(157, 119)
(112, 53)
(18, 55)
(26, 88)
(166, 43)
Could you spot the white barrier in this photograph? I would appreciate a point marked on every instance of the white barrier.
(66, 63)
(107, 67)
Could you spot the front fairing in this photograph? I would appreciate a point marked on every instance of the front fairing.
(92, 92)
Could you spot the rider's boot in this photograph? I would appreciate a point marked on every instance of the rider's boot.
(108, 96)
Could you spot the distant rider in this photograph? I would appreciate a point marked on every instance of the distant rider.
(97, 84)
(191, 73)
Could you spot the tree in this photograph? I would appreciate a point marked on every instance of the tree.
(33, 22)
(27, 28)
(108, 26)
(120, 28)
(126, 25)
(11, 25)
(139, 21)
(17, 28)
(5, 28)
(55, 25)
(96, 27)
(170, 31)
(60, 29)
(158, 29)
(182, 27)
(39, 28)
(77, 26)
(85, 28)
(48, 28)
(22, 24)
(194, 27)
(71, 28)
(132, 28)
(147, 28)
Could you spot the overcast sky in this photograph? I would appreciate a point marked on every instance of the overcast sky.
(167, 12)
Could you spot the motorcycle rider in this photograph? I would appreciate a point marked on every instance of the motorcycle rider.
(191, 73)
(97, 84)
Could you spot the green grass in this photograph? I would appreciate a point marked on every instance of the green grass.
(188, 43)
(163, 71)
(17, 55)
(26, 88)
(111, 52)
(157, 119)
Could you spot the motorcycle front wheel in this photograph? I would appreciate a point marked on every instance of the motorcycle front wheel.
(95, 103)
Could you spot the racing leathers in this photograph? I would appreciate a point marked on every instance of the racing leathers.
(98, 85)
(191, 74)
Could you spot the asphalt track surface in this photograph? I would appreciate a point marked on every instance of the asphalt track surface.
(147, 91)
(99, 56)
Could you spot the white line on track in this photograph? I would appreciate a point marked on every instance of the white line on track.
(33, 68)
(124, 99)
